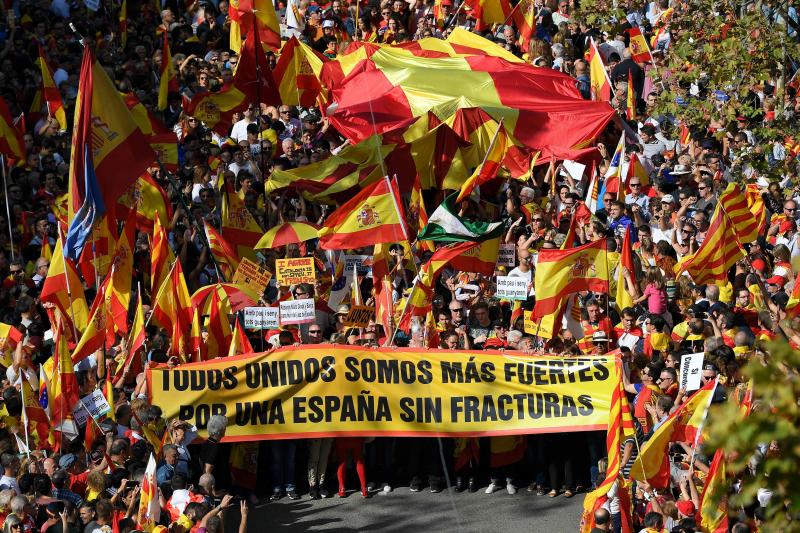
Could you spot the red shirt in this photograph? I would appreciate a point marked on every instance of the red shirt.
(78, 483)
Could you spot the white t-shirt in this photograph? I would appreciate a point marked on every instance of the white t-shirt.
(10, 482)
(13, 376)
(239, 130)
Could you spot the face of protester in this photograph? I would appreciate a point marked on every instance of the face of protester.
(451, 342)
(671, 361)
(593, 312)
(743, 298)
(665, 381)
(482, 316)
(628, 322)
(614, 211)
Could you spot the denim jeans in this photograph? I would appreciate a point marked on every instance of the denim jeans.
(283, 452)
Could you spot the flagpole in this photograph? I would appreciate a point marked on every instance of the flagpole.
(24, 411)
(91, 417)
(703, 422)
(167, 279)
(453, 18)
(8, 209)
(405, 308)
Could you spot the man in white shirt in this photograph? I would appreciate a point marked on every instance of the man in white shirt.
(239, 130)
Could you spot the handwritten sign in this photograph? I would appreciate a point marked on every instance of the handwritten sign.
(361, 263)
(507, 255)
(294, 271)
(359, 316)
(261, 317)
(512, 287)
(254, 276)
(691, 370)
(93, 405)
(297, 311)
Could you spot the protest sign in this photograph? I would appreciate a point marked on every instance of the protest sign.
(507, 255)
(359, 316)
(254, 276)
(93, 405)
(512, 287)
(261, 317)
(361, 262)
(691, 369)
(297, 311)
(335, 391)
(294, 271)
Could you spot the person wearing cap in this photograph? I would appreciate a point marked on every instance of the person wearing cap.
(594, 322)
(775, 291)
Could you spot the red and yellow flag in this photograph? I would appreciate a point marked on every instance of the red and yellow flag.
(11, 139)
(525, 20)
(223, 253)
(162, 258)
(480, 258)
(487, 13)
(98, 253)
(490, 166)
(793, 305)
(99, 330)
(149, 512)
(623, 297)
(123, 24)
(652, 465)
(49, 94)
(239, 342)
(63, 288)
(63, 393)
(121, 276)
(736, 205)
(9, 338)
(149, 200)
(237, 223)
(373, 216)
(168, 80)
(418, 213)
(559, 273)
(756, 204)
(136, 339)
(219, 326)
(172, 310)
(718, 253)
(630, 105)
(714, 499)
(298, 72)
(599, 82)
(254, 13)
(640, 51)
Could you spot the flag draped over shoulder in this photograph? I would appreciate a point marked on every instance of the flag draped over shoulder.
(252, 82)
(652, 464)
(445, 225)
(562, 272)
(373, 216)
(11, 139)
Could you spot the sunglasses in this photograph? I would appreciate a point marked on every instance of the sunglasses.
(315, 332)
(636, 184)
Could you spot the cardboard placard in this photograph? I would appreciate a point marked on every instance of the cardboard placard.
(691, 370)
(507, 255)
(254, 276)
(512, 287)
(294, 271)
(261, 317)
(298, 311)
(359, 316)
(95, 403)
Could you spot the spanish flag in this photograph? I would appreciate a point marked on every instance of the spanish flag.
(630, 106)
(49, 94)
(237, 223)
(640, 51)
(623, 297)
(636, 170)
(718, 253)
(9, 338)
(63, 288)
(258, 14)
(488, 13)
(223, 253)
(99, 330)
(136, 339)
(11, 139)
(599, 82)
(121, 276)
(713, 500)
(652, 465)
(480, 258)
(373, 216)
(490, 166)
(793, 305)
(525, 20)
(219, 326)
(149, 201)
(418, 213)
(149, 512)
(168, 80)
(559, 273)
(239, 342)
(63, 393)
(162, 257)
(172, 310)
(298, 72)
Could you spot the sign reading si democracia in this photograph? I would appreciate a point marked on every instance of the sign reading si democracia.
(334, 390)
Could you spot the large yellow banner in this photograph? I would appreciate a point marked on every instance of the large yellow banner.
(334, 390)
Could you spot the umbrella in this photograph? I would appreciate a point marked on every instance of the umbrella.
(239, 296)
(288, 233)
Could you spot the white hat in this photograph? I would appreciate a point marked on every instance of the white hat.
(328, 24)
(668, 198)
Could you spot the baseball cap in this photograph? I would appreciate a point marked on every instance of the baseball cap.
(668, 198)
(685, 507)
(777, 280)
(328, 24)
(67, 461)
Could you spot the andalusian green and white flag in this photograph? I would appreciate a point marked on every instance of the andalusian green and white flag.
(444, 225)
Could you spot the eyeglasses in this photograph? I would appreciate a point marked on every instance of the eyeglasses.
(789, 209)
(283, 111)
(457, 310)
(298, 294)
(690, 230)
(636, 184)
(15, 272)
(702, 188)
(500, 327)
(665, 378)
(386, 12)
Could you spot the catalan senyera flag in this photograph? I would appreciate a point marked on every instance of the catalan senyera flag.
(162, 259)
(490, 166)
(168, 79)
(487, 13)
(63, 288)
(599, 82)
(252, 82)
(119, 151)
(652, 465)
(11, 139)
(623, 297)
(63, 393)
(239, 342)
(630, 103)
(9, 338)
(149, 200)
(238, 226)
(562, 272)
(593, 191)
(640, 51)
(718, 253)
(373, 216)
(149, 512)
(49, 94)
(223, 253)
(297, 74)
(525, 20)
(714, 499)
(172, 310)
(123, 24)
(736, 207)
(793, 305)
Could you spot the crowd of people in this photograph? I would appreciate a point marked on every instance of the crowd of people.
(94, 485)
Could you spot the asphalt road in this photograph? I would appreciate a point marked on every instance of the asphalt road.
(402, 510)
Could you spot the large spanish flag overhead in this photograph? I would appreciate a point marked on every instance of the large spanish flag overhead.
(373, 216)
(559, 273)
(390, 86)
